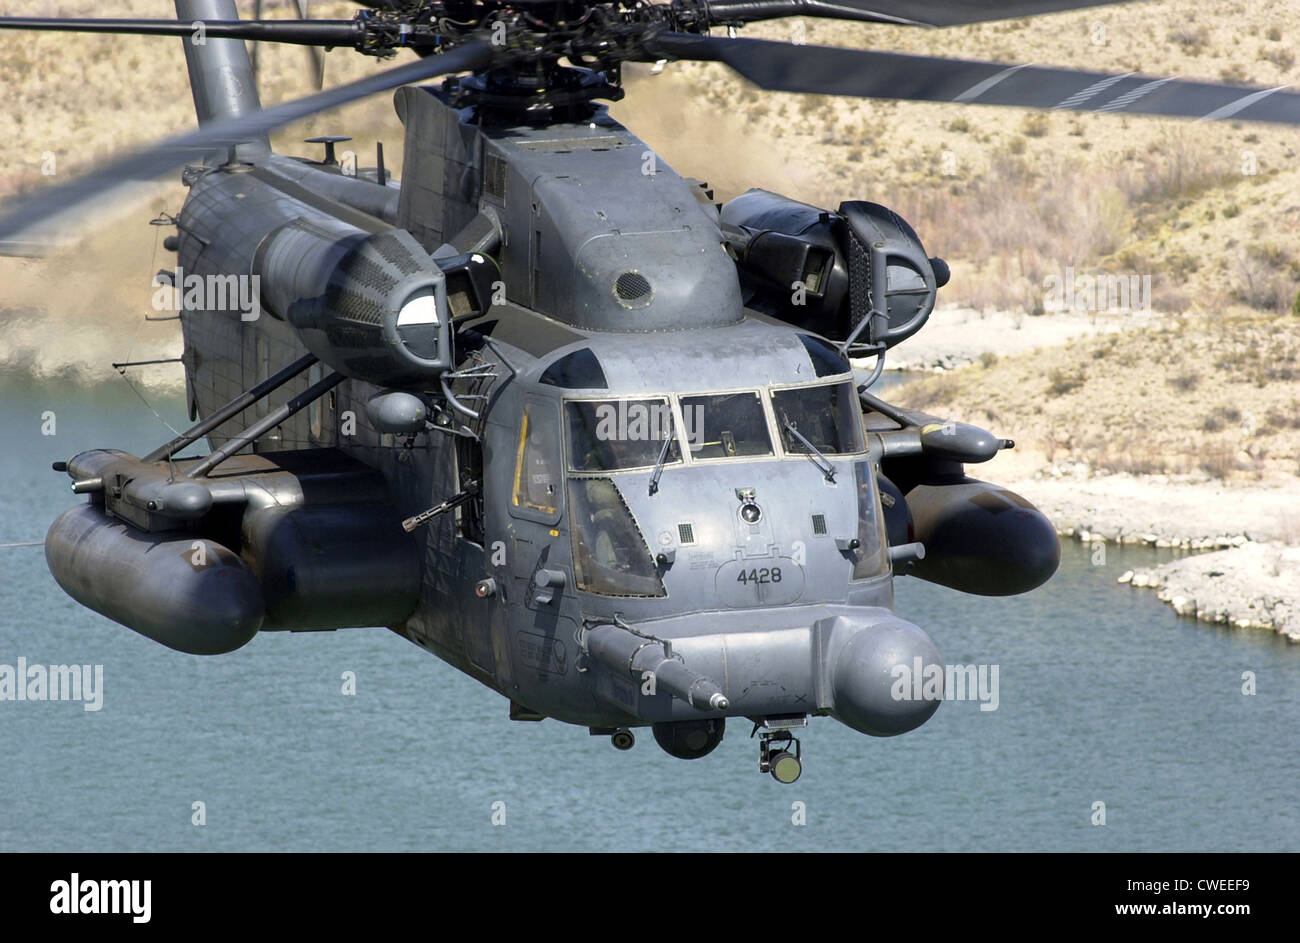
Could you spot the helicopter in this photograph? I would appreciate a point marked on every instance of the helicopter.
(543, 407)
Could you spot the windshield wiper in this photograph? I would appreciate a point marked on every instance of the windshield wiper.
(814, 454)
(663, 457)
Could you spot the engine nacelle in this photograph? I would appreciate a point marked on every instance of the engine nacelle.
(823, 270)
(368, 302)
(373, 306)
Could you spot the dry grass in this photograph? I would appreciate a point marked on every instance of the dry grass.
(1203, 397)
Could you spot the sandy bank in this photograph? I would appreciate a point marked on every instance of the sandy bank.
(956, 337)
(1155, 510)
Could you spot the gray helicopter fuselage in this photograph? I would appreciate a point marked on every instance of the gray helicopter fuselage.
(547, 411)
(617, 290)
(742, 601)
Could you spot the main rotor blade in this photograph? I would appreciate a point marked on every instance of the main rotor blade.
(752, 11)
(919, 12)
(865, 73)
(900, 12)
(38, 211)
(300, 32)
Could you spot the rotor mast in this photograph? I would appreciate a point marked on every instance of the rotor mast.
(221, 75)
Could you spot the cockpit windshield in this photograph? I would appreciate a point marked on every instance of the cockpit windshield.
(825, 417)
(726, 425)
(614, 434)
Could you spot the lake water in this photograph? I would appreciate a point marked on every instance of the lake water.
(1104, 696)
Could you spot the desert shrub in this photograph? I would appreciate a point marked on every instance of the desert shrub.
(1192, 40)
(1262, 278)
(1218, 459)
(1178, 166)
(1280, 56)
(930, 392)
(1035, 125)
(1221, 418)
(1283, 417)
(1234, 73)
(1061, 382)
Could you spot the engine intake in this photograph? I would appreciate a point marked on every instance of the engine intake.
(823, 270)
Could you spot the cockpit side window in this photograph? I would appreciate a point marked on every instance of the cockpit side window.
(871, 560)
(827, 416)
(537, 471)
(726, 425)
(610, 555)
(615, 434)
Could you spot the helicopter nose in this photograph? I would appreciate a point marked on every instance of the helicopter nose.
(887, 679)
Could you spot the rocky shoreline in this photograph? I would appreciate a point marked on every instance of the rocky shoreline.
(1243, 567)
(1246, 587)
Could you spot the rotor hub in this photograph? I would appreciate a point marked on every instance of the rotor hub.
(550, 93)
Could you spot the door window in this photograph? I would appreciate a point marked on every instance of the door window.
(537, 471)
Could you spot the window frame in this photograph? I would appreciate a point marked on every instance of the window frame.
(579, 531)
(872, 471)
(533, 404)
(769, 417)
(831, 456)
(678, 427)
(764, 393)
